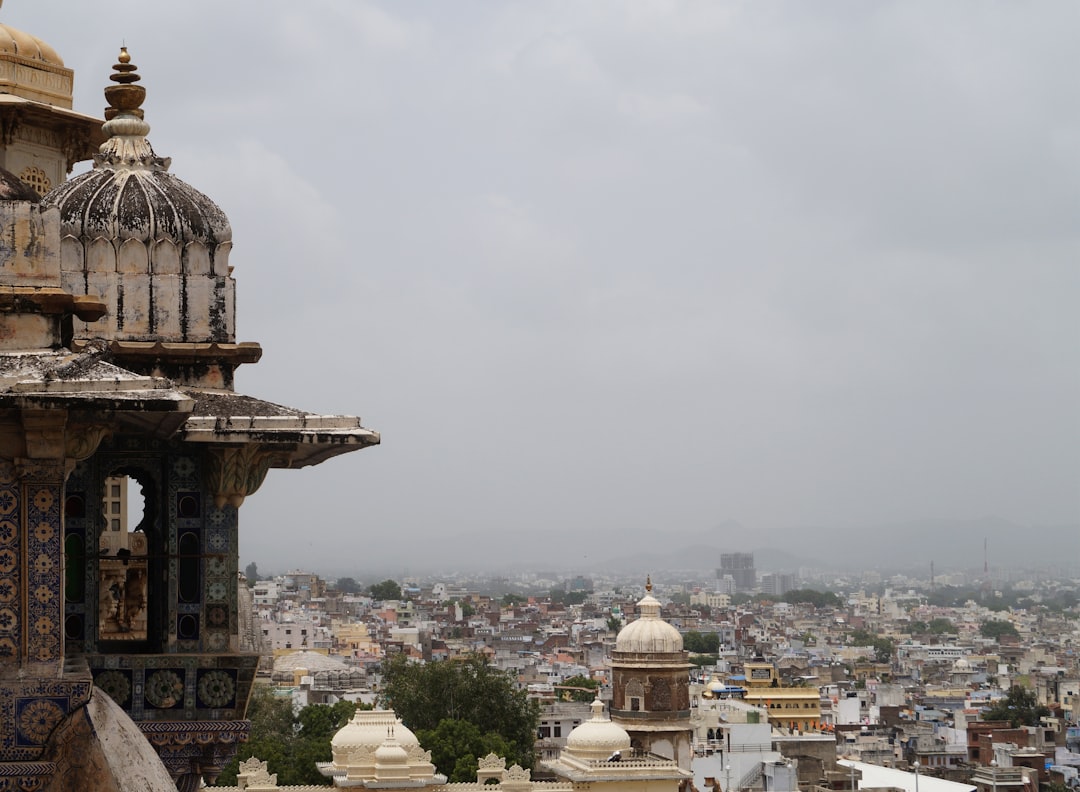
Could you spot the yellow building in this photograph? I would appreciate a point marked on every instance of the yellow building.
(789, 708)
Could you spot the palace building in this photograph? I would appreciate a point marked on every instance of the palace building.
(121, 658)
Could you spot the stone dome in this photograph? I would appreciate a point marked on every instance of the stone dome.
(598, 737)
(153, 247)
(15, 42)
(368, 729)
(649, 633)
(312, 662)
(961, 665)
(130, 194)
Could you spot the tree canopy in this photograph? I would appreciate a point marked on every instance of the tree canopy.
(996, 628)
(580, 681)
(387, 590)
(289, 745)
(1020, 707)
(883, 647)
(457, 745)
(819, 599)
(563, 597)
(466, 689)
(347, 585)
(701, 643)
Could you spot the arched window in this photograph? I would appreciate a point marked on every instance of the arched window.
(123, 554)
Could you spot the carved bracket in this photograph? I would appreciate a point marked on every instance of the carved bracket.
(234, 473)
(83, 441)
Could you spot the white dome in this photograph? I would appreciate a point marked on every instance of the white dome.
(961, 665)
(598, 737)
(368, 729)
(649, 633)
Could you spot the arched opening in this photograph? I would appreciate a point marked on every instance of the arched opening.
(123, 554)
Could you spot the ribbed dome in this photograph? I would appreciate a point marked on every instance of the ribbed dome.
(649, 633)
(143, 203)
(15, 42)
(368, 728)
(130, 194)
(153, 247)
(598, 737)
(312, 662)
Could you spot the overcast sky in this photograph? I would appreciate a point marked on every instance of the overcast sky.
(602, 272)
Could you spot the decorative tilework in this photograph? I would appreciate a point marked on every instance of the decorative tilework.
(10, 579)
(117, 684)
(216, 689)
(31, 707)
(44, 610)
(36, 718)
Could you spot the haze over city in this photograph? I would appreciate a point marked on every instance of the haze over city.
(607, 275)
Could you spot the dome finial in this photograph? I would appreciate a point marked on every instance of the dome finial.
(127, 145)
(648, 583)
(125, 96)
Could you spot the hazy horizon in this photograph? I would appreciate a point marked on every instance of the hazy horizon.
(622, 273)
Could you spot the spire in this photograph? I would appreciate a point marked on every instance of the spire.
(648, 583)
(124, 124)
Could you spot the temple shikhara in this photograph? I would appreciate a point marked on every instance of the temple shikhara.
(117, 357)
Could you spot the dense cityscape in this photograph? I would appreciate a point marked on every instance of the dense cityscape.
(961, 677)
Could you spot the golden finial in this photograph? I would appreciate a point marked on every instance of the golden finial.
(648, 583)
(124, 97)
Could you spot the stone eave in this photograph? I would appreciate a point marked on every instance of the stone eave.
(58, 116)
(180, 352)
(298, 441)
(94, 390)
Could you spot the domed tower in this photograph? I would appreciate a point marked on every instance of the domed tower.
(41, 137)
(651, 684)
(155, 248)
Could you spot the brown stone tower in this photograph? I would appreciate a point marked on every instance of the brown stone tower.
(651, 681)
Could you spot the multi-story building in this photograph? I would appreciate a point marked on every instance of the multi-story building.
(740, 568)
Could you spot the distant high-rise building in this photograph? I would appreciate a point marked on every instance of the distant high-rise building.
(777, 584)
(740, 567)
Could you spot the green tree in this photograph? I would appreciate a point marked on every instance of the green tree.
(251, 572)
(289, 745)
(883, 647)
(457, 745)
(1020, 707)
(387, 590)
(700, 660)
(580, 681)
(466, 689)
(614, 623)
(513, 599)
(819, 599)
(701, 643)
(996, 628)
(561, 596)
(942, 626)
(347, 585)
